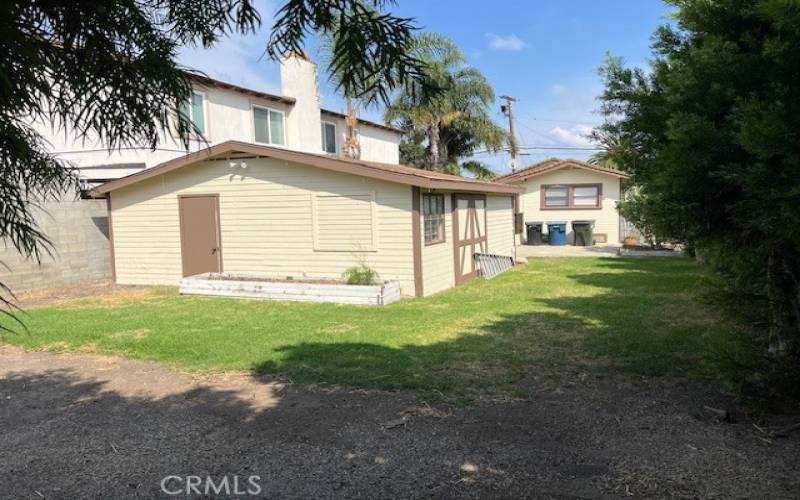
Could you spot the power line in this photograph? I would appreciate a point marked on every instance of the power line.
(565, 148)
(535, 132)
(556, 120)
(556, 148)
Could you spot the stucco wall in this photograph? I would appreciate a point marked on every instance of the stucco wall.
(79, 232)
(228, 116)
(606, 218)
(266, 220)
(299, 80)
(377, 145)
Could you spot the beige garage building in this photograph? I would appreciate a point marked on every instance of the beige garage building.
(245, 208)
(569, 190)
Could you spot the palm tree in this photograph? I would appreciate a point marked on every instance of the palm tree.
(479, 170)
(355, 99)
(618, 151)
(450, 110)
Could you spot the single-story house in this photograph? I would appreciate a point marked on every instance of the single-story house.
(566, 190)
(246, 208)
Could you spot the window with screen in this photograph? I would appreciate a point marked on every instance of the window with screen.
(585, 196)
(571, 196)
(556, 196)
(433, 217)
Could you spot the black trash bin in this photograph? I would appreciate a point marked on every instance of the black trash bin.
(533, 231)
(583, 230)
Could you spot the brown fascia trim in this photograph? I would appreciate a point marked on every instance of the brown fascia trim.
(206, 80)
(410, 176)
(111, 239)
(365, 122)
(535, 170)
(416, 237)
(530, 169)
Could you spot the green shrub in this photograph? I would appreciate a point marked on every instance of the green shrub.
(360, 275)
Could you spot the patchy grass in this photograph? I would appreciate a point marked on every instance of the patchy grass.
(556, 317)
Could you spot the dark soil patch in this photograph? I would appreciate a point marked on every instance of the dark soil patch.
(84, 426)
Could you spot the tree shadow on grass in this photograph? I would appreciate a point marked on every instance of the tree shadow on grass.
(641, 317)
(69, 435)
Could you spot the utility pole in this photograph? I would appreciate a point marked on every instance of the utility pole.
(508, 110)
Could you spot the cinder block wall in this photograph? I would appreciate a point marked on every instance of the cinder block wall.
(79, 232)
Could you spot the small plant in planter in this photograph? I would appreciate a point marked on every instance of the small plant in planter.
(360, 275)
(630, 241)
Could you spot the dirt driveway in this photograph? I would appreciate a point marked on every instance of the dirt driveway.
(85, 426)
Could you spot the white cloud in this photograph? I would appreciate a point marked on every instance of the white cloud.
(559, 90)
(575, 136)
(506, 42)
(239, 59)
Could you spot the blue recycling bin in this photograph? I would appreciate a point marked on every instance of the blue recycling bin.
(557, 232)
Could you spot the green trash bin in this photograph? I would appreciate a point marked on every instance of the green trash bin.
(583, 230)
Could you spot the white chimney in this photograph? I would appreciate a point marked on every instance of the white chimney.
(303, 122)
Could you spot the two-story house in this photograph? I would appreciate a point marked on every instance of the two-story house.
(269, 192)
(225, 112)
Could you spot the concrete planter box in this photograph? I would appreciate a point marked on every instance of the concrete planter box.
(630, 252)
(303, 290)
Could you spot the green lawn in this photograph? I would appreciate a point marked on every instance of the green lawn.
(554, 317)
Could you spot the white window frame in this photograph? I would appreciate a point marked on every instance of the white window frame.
(440, 219)
(253, 107)
(335, 135)
(192, 135)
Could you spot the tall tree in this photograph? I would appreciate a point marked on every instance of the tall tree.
(449, 109)
(714, 129)
(108, 69)
(616, 152)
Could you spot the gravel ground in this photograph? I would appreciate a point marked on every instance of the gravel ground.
(87, 426)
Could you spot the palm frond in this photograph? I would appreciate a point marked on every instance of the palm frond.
(478, 170)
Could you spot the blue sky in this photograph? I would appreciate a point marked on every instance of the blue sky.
(545, 52)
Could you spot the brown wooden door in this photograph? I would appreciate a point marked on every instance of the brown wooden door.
(469, 233)
(201, 248)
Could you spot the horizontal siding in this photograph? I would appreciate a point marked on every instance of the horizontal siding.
(437, 260)
(500, 224)
(606, 218)
(266, 222)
